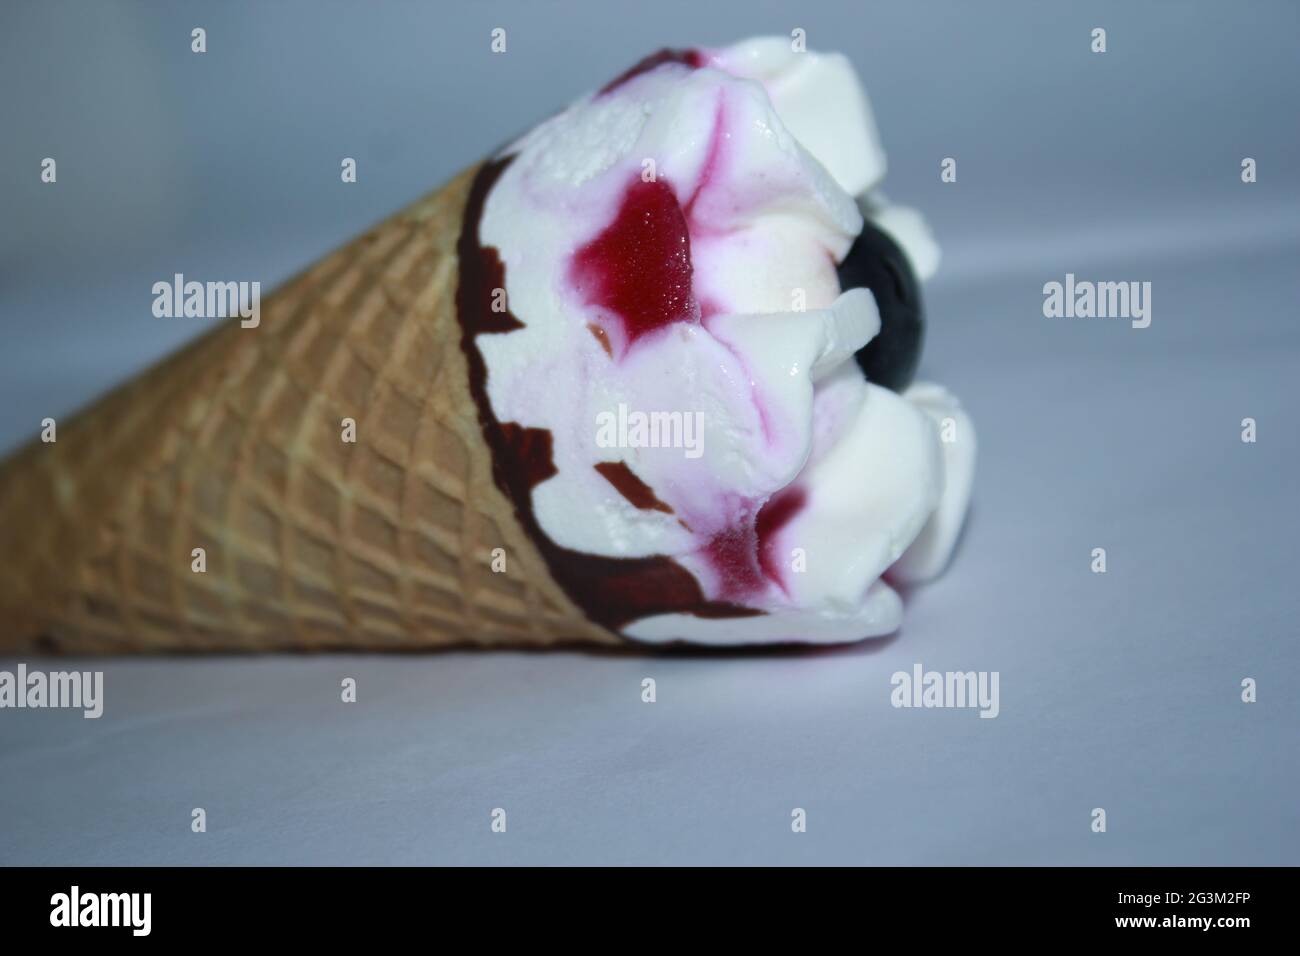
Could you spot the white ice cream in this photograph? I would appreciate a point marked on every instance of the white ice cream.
(773, 156)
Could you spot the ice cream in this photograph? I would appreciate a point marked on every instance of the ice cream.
(691, 321)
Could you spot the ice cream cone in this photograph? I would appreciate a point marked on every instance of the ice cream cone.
(214, 504)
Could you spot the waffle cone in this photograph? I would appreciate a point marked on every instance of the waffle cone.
(235, 446)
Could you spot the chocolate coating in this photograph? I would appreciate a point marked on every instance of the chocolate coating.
(875, 262)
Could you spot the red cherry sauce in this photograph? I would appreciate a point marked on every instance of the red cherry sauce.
(772, 518)
(637, 271)
(744, 556)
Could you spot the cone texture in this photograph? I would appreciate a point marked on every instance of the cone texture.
(235, 445)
